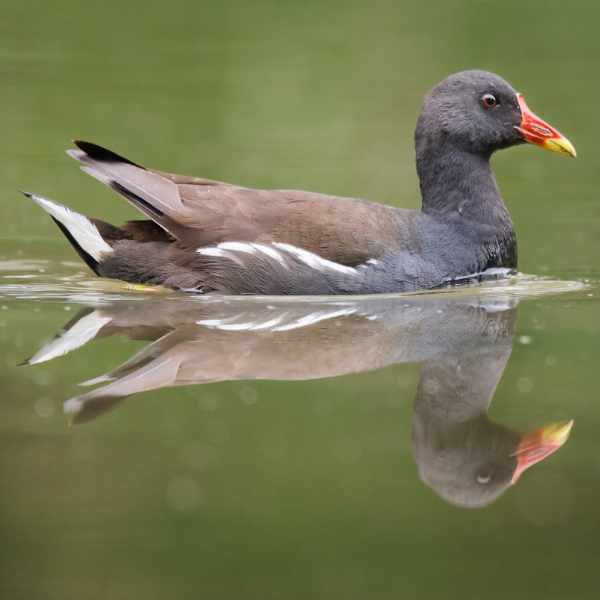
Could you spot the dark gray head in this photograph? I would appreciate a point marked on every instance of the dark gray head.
(469, 464)
(479, 112)
(475, 111)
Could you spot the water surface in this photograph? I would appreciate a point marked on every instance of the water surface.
(317, 443)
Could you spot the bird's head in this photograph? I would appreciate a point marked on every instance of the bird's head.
(479, 113)
(473, 464)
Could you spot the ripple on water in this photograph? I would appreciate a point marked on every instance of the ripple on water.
(42, 280)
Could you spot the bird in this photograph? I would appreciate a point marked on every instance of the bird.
(211, 237)
(462, 342)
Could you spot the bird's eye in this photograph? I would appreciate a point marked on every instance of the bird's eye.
(489, 101)
(484, 478)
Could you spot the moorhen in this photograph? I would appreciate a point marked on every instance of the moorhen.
(212, 237)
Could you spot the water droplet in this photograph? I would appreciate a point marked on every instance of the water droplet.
(525, 340)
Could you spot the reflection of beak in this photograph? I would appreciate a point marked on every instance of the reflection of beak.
(539, 444)
(536, 131)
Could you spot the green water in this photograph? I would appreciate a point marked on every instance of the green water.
(322, 449)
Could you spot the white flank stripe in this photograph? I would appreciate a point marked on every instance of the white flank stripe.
(270, 251)
(220, 254)
(212, 252)
(80, 227)
(276, 251)
(82, 332)
(238, 247)
(314, 260)
(252, 248)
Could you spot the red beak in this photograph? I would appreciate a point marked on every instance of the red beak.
(536, 131)
(539, 444)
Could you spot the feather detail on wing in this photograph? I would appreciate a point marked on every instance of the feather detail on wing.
(201, 212)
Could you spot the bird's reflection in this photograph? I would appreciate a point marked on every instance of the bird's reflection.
(463, 342)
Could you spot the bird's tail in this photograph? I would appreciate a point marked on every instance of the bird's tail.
(78, 229)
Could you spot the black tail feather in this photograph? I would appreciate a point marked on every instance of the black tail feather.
(144, 206)
(102, 154)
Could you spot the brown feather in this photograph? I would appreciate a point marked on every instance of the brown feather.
(138, 231)
(200, 212)
(146, 231)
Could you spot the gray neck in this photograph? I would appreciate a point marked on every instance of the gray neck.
(454, 180)
(458, 188)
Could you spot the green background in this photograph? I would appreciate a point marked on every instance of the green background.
(310, 95)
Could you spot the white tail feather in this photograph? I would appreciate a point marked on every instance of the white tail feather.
(81, 228)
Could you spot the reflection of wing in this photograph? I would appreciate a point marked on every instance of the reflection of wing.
(461, 454)
(200, 340)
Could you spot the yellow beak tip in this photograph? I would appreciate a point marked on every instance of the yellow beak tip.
(561, 145)
(558, 433)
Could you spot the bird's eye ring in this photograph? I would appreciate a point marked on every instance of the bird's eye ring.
(489, 101)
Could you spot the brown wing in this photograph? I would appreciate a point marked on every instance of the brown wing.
(200, 212)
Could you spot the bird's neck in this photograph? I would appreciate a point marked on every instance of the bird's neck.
(456, 181)
(460, 190)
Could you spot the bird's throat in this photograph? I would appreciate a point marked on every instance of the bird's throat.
(456, 181)
(459, 189)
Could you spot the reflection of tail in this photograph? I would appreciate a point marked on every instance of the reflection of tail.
(78, 229)
(78, 333)
(162, 372)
